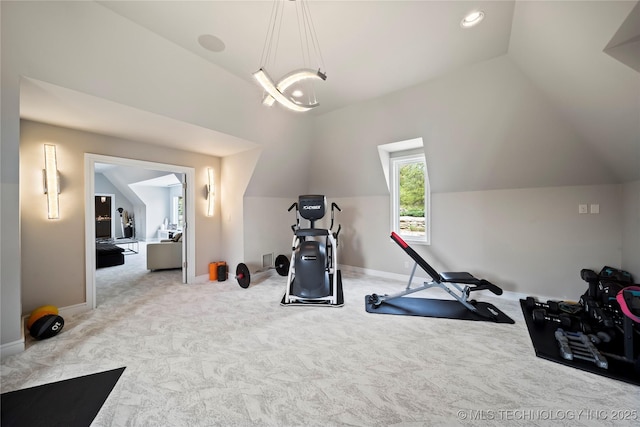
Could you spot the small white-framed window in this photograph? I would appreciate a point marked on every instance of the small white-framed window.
(405, 169)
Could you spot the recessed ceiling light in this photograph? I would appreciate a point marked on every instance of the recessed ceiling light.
(472, 19)
(211, 42)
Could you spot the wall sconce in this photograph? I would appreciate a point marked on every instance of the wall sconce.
(210, 192)
(51, 181)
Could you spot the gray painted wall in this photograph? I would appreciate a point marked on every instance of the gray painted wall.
(631, 228)
(530, 241)
(526, 143)
(267, 228)
(158, 205)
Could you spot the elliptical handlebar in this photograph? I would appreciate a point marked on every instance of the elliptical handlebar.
(295, 226)
(334, 205)
(335, 235)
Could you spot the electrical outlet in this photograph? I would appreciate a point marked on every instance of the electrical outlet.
(582, 209)
(595, 208)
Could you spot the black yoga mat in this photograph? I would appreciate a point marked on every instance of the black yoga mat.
(426, 307)
(73, 402)
(546, 347)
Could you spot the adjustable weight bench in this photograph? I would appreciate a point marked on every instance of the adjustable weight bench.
(459, 285)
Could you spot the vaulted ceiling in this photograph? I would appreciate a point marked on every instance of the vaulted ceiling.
(581, 55)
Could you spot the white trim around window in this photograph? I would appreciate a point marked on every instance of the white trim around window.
(407, 151)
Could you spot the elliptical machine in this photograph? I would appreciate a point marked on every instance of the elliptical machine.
(314, 277)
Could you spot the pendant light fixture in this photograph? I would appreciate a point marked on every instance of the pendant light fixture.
(295, 89)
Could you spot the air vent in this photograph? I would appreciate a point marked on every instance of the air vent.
(267, 260)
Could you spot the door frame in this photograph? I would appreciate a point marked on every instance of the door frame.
(90, 253)
(186, 208)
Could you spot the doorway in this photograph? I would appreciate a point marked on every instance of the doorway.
(188, 273)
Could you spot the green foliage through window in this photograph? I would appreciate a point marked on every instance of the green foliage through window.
(412, 189)
(407, 175)
(411, 197)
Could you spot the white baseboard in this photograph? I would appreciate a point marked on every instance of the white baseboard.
(19, 346)
(377, 273)
(11, 348)
(74, 309)
(203, 278)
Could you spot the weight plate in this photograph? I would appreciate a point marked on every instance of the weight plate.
(242, 275)
(282, 265)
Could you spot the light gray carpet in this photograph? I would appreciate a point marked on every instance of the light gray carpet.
(215, 354)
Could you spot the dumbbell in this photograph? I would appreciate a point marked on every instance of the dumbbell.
(576, 345)
(597, 313)
(592, 279)
(243, 276)
(599, 337)
(541, 316)
(549, 306)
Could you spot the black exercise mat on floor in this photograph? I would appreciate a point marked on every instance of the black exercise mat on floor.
(73, 402)
(546, 347)
(426, 307)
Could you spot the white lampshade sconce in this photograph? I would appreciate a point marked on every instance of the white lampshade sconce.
(51, 181)
(210, 189)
